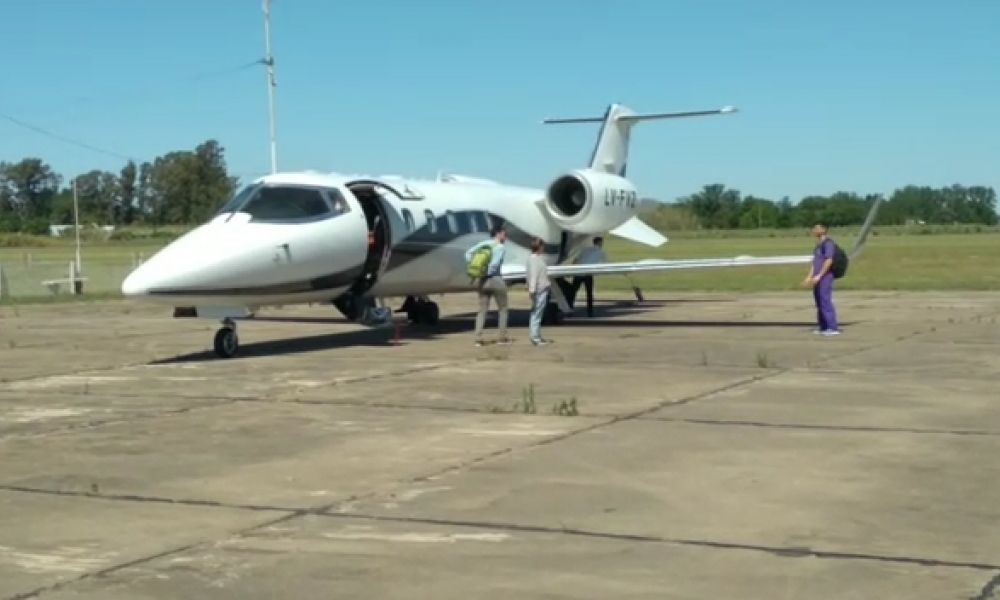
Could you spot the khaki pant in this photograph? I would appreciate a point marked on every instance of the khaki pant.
(492, 287)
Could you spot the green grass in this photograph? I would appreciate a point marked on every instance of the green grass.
(888, 262)
(892, 260)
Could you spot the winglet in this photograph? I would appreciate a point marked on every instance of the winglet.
(866, 228)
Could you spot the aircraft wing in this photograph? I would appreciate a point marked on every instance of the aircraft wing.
(518, 272)
(515, 272)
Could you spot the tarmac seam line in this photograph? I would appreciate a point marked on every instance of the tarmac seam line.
(151, 499)
(117, 421)
(807, 426)
(782, 551)
(560, 437)
(100, 573)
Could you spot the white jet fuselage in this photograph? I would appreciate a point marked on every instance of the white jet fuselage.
(402, 237)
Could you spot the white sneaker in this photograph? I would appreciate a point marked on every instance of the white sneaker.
(830, 332)
(817, 331)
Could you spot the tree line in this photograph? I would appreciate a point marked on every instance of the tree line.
(187, 187)
(181, 187)
(716, 207)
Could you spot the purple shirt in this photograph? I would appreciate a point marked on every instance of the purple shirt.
(823, 251)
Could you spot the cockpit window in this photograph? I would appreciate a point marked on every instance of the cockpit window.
(239, 199)
(286, 204)
(336, 200)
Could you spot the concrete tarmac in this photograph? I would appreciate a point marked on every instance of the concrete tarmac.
(698, 446)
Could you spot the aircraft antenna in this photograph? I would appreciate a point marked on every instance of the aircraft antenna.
(271, 84)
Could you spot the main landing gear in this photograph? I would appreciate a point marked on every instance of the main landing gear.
(420, 310)
(226, 340)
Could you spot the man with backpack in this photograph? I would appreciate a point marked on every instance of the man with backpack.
(829, 263)
(484, 261)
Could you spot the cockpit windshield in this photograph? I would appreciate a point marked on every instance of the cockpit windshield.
(287, 203)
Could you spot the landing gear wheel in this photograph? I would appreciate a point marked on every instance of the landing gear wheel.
(423, 311)
(431, 313)
(552, 315)
(226, 342)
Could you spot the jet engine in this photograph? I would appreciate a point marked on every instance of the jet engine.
(586, 201)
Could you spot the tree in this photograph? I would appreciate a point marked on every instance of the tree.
(127, 188)
(28, 187)
(786, 213)
(715, 206)
(756, 213)
(99, 194)
(187, 187)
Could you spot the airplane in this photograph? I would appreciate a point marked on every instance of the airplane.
(355, 240)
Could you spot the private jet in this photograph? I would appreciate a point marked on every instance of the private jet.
(356, 241)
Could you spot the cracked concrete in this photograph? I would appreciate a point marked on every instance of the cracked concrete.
(721, 451)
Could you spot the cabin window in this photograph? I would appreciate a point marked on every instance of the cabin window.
(283, 203)
(431, 223)
(464, 221)
(408, 219)
(480, 222)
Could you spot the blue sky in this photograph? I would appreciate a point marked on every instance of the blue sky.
(860, 96)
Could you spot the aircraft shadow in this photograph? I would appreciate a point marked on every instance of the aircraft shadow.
(381, 337)
(605, 315)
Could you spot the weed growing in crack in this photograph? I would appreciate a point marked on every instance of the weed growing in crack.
(527, 403)
(763, 361)
(566, 409)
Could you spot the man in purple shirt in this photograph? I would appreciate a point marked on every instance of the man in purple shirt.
(820, 278)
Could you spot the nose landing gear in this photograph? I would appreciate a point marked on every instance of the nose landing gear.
(226, 340)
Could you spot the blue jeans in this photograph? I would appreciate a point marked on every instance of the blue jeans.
(537, 310)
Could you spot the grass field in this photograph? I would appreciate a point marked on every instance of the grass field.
(889, 262)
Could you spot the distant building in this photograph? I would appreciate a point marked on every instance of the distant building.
(61, 230)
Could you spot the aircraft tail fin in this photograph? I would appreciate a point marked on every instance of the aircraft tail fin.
(610, 153)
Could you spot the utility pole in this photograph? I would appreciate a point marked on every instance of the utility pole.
(77, 267)
(269, 62)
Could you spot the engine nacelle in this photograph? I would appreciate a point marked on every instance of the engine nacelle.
(588, 202)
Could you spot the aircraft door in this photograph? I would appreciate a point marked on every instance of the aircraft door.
(379, 236)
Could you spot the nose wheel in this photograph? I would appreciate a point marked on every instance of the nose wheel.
(226, 340)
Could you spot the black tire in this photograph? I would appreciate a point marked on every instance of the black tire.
(431, 313)
(226, 342)
(552, 314)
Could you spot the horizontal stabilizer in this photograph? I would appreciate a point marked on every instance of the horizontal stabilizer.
(637, 231)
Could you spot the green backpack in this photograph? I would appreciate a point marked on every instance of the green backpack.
(480, 262)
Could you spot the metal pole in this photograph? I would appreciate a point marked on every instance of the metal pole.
(269, 61)
(76, 228)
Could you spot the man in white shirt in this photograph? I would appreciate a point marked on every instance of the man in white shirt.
(538, 290)
(590, 255)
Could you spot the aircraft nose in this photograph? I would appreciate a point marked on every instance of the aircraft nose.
(136, 283)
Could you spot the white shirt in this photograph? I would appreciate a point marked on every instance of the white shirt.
(537, 276)
(591, 255)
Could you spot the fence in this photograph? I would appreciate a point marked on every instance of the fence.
(27, 277)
